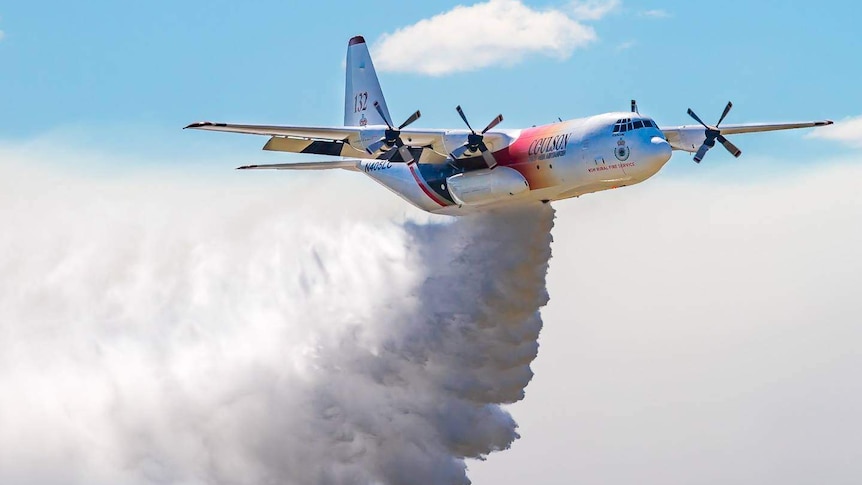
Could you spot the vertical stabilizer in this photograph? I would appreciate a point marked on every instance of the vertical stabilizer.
(362, 88)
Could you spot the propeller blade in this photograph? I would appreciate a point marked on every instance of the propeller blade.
(405, 154)
(389, 154)
(635, 106)
(377, 145)
(489, 157)
(701, 152)
(496, 121)
(697, 118)
(459, 152)
(463, 117)
(380, 111)
(736, 152)
(726, 110)
(415, 116)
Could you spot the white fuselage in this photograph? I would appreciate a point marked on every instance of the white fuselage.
(550, 162)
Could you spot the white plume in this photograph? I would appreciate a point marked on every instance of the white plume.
(216, 334)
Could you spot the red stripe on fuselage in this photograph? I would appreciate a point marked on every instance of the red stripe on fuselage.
(428, 192)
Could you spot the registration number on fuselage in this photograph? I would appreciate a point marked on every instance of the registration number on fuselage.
(376, 165)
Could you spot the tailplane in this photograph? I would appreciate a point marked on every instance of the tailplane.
(362, 89)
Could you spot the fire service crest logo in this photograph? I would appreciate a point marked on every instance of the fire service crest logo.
(622, 152)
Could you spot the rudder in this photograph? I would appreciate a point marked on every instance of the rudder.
(362, 89)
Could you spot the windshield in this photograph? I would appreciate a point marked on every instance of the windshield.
(629, 124)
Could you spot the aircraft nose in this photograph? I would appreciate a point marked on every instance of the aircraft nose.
(659, 152)
(654, 153)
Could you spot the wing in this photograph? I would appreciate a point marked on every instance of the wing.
(351, 165)
(690, 137)
(758, 127)
(317, 132)
(350, 141)
(318, 140)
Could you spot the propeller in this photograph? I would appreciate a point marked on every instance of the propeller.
(392, 137)
(713, 133)
(475, 141)
(635, 107)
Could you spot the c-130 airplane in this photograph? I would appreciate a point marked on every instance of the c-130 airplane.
(457, 171)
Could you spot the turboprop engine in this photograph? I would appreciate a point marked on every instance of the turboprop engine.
(485, 186)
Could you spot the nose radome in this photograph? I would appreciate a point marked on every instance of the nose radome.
(653, 155)
(660, 151)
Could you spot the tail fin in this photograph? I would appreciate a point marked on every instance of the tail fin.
(362, 88)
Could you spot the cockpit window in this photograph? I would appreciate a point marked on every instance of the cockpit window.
(627, 124)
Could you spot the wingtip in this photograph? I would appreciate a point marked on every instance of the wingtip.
(246, 167)
(199, 124)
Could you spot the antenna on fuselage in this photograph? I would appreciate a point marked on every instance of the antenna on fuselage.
(635, 107)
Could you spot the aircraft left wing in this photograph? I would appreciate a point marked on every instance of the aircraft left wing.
(316, 132)
(350, 141)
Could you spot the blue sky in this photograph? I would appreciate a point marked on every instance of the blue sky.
(128, 76)
(702, 326)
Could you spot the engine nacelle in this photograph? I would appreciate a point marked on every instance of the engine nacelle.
(690, 138)
(485, 186)
(369, 136)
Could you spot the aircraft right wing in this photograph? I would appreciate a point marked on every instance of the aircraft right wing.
(690, 137)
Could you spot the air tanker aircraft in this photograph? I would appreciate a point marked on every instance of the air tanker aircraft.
(456, 171)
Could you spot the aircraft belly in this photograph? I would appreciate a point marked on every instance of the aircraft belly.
(407, 182)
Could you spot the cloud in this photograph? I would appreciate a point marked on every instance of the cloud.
(497, 32)
(593, 9)
(626, 45)
(163, 330)
(848, 131)
(655, 14)
(160, 330)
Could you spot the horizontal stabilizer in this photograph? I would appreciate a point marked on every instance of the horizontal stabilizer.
(343, 164)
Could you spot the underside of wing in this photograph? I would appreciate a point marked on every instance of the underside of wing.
(333, 148)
